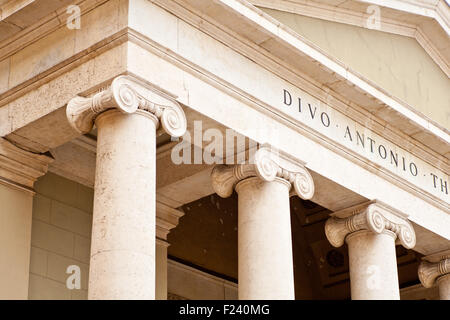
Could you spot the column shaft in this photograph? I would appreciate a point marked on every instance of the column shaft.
(161, 269)
(444, 287)
(373, 265)
(264, 240)
(123, 233)
(15, 237)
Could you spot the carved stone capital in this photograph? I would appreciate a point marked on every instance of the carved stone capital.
(166, 219)
(373, 216)
(20, 168)
(434, 267)
(127, 95)
(267, 165)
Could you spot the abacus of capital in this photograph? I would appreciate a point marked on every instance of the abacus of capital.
(127, 115)
(265, 265)
(370, 231)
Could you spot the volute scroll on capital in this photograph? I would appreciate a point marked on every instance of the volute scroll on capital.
(127, 95)
(267, 165)
(430, 272)
(371, 216)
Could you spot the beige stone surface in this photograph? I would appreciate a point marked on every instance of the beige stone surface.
(370, 231)
(20, 168)
(53, 238)
(435, 271)
(64, 191)
(15, 237)
(60, 45)
(318, 158)
(41, 55)
(82, 248)
(178, 82)
(444, 287)
(373, 266)
(4, 74)
(161, 270)
(61, 215)
(38, 261)
(122, 264)
(401, 66)
(41, 208)
(45, 289)
(56, 92)
(194, 284)
(79, 295)
(418, 292)
(71, 219)
(195, 68)
(264, 238)
(57, 266)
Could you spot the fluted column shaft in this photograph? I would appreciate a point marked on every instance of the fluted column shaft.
(264, 240)
(370, 231)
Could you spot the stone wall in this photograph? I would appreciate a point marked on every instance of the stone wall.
(15, 225)
(60, 237)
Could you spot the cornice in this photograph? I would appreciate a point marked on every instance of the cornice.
(12, 6)
(286, 72)
(273, 64)
(43, 27)
(166, 219)
(87, 5)
(279, 68)
(374, 216)
(267, 164)
(20, 168)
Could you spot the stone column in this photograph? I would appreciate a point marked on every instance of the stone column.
(435, 270)
(19, 169)
(265, 265)
(127, 115)
(166, 219)
(370, 231)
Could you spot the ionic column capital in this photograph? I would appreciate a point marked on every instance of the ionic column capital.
(20, 168)
(267, 165)
(127, 95)
(434, 267)
(373, 216)
(166, 219)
